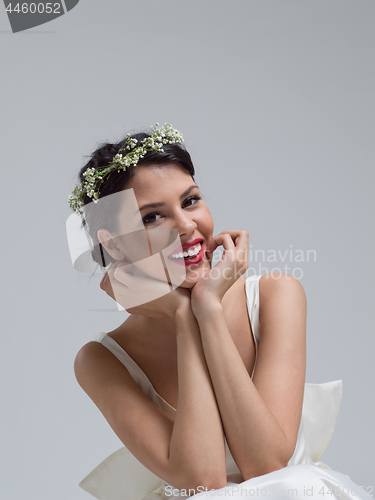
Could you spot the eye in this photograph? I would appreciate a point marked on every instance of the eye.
(192, 199)
(151, 217)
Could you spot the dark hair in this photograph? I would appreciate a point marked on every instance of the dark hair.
(95, 219)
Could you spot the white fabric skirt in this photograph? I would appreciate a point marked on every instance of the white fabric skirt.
(295, 482)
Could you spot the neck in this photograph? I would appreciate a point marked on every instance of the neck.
(156, 329)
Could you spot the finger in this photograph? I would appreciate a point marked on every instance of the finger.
(240, 238)
(241, 241)
(233, 234)
(237, 235)
(214, 243)
(224, 239)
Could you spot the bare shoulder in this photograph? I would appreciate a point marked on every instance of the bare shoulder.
(86, 356)
(88, 353)
(87, 359)
(272, 285)
(130, 413)
(94, 356)
(89, 350)
(95, 367)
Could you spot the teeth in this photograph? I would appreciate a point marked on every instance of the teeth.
(191, 252)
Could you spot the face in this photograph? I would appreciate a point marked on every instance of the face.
(178, 210)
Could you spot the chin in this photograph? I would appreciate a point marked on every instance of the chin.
(194, 275)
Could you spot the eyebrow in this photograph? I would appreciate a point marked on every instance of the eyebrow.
(161, 204)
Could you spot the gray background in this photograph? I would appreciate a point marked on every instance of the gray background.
(276, 103)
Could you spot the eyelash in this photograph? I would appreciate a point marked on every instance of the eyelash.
(195, 197)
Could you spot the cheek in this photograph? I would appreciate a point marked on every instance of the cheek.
(206, 224)
(153, 267)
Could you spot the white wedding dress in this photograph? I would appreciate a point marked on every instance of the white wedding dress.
(122, 477)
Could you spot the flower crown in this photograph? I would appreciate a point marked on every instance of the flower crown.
(160, 136)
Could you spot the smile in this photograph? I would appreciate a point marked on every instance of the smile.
(192, 252)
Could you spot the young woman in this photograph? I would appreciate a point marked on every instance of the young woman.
(204, 385)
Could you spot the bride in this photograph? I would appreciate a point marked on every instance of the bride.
(204, 382)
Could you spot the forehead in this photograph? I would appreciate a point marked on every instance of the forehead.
(159, 180)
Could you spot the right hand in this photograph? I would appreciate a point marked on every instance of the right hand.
(141, 295)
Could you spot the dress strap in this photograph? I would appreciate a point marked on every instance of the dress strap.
(252, 300)
(134, 370)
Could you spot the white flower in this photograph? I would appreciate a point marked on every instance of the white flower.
(162, 135)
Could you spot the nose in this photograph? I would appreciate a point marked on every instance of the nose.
(184, 223)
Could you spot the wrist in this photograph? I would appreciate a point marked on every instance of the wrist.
(186, 323)
(183, 313)
(208, 311)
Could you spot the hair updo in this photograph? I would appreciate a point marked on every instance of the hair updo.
(94, 218)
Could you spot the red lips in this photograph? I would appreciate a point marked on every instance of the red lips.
(186, 245)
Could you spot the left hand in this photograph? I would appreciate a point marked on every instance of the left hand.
(211, 288)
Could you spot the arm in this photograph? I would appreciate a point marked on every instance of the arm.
(197, 442)
(261, 416)
(188, 452)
